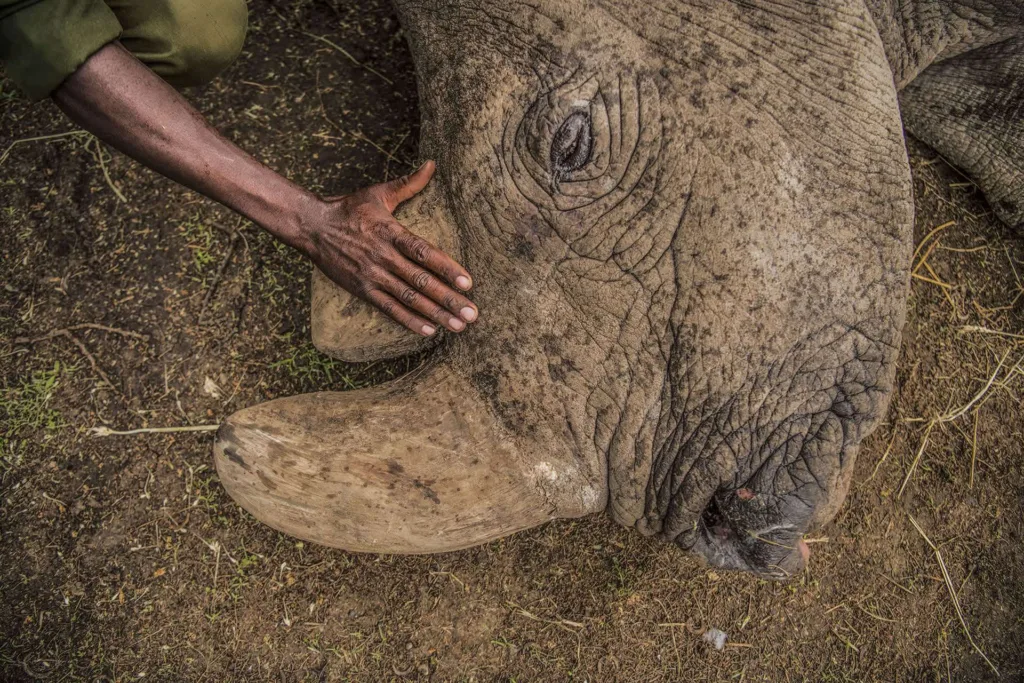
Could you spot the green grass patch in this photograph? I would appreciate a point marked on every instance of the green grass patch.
(312, 368)
(26, 408)
(200, 240)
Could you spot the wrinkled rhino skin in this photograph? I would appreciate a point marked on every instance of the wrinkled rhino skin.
(691, 229)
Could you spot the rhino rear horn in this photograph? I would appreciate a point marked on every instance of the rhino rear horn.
(348, 328)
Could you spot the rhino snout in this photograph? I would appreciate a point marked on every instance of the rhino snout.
(741, 480)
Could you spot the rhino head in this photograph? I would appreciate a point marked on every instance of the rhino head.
(690, 228)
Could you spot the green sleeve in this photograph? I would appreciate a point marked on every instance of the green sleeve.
(42, 42)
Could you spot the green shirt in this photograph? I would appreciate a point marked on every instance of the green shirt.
(42, 42)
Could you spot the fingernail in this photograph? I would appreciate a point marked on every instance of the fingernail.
(463, 282)
(456, 324)
(468, 314)
(427, 330)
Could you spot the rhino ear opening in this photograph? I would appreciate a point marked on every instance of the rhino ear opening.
(419, 465)
(349, 329)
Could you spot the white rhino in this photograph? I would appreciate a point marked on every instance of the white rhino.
(690, 224)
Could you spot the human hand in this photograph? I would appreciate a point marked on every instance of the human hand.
(356, 242)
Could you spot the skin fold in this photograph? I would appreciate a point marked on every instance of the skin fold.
(692, 228)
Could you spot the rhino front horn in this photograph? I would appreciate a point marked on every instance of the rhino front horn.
(416, 466)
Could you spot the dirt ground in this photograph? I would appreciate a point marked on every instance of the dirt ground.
(121, 557)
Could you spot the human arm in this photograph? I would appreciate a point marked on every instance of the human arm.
(353, 239)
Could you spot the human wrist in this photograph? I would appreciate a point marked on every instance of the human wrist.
(293, 217)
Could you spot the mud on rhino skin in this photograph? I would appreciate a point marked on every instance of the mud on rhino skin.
(690, 228)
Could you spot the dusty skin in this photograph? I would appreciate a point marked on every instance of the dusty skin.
(691, 233)
(123, 556)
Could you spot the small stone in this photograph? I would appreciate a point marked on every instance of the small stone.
(716, 638)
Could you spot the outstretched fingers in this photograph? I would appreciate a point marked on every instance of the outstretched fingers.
(433, 259)
(396, 310)
(411, 295)
(405, 276)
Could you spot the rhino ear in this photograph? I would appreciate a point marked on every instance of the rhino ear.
(968, 109)
(348, 328)
(419, 465)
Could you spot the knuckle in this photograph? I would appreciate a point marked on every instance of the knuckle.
(421, 279)
(373, 272)
(449, 300)
(416, 247)
(404, 239)
(420, 250)
(382, 258)
(381, 229)
(408, 295)
(363, 214)
(363, 286)
(386, 260)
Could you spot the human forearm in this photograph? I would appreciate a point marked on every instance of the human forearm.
(124, 103)
(353, 239)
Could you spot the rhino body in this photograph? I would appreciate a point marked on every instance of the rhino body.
(691, 229)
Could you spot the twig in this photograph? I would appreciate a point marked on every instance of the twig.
(452, 577)
(107, 431)
(845, 640)
(348, 55)
(220, 273)
(59, 503)
(357, 136)
(974, 447)
(394, 150)
(65, 332)
(952, 593)
(561, 623)
(215, 547)
(873, 615)
(929, 280)
(928, 237)
(917, 458)
(361, 137)
(885, 455)
(97, 154)
(898, 585)
(958, 413)
(38, 138)
(981, 394)
(986, 330)
(112, 330)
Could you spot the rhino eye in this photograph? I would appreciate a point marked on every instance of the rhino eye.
(572, 144)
